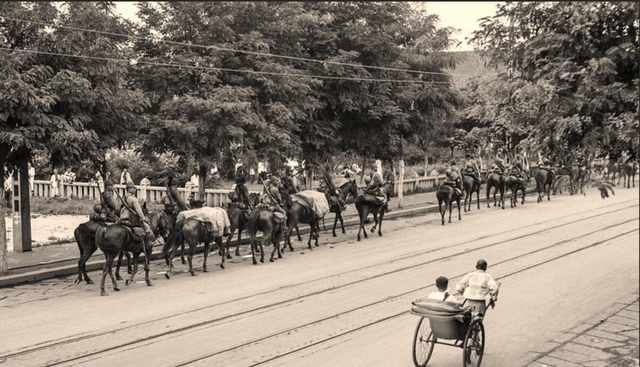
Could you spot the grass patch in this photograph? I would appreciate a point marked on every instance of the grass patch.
(66, 206)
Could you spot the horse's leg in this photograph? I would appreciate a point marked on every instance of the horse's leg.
(80, 241)
(207, 248)
(380, 224)
(478, 197)
(287, 237)
(361, 225)
(266, 237)
(459, 214)
(110, 257)
(113, 279)
(449, 205)
(253, 246)
(82, 264)
(298, 234)
(442, 212)
(182, 253)
(489, 195)
(192, 251)
(120, 255)
(375, 221)
(341, 222)
(135, 269)
(335, 223)
(228, 253)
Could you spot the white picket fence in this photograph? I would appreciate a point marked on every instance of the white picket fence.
(213, 197)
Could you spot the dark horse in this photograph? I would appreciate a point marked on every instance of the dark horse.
(366, 204)
(470, 186)
(544, 183)
(85, 235)
(191, 231)
(514, 184)
(348, 190)
(495, 181)
(238, 221)
(628, 174)
(447, 194)
(578, 175)
(263, 220)
(116, 238)
(612, 167)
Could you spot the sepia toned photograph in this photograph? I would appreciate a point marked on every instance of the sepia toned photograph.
(320, 183)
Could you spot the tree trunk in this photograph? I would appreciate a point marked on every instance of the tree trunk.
(4, 268)
(401, 184)
(202, 179)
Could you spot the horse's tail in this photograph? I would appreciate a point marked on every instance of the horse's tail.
(176, 235)
(252, 225)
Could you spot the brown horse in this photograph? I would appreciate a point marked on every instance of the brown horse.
(495, 181)
(514, 184)
(116, 238)
(349, 191)
(301, 214)
(263, 220)
(544, 182)
(470, 186)
(447, 194)
(612, 170)
(366, 204)
(85, 235)
(577, 175)
(191, 231)
(628, 174)
(238, 221)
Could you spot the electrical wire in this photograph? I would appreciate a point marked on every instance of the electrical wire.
(231, 49)
(223, 69)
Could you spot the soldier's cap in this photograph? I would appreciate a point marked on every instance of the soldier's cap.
(108, 183)
(130, 185)
(442, 282)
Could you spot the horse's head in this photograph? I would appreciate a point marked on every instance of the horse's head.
(349, 191)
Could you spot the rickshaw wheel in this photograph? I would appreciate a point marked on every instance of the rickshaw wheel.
(423, 343)
(473, 348)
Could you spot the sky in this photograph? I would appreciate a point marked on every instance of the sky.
(460, 15)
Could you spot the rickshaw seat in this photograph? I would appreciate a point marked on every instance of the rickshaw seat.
(444, 317)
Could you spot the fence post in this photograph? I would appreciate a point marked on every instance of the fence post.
(144, 184)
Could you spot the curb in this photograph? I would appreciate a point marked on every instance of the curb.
(43, 274)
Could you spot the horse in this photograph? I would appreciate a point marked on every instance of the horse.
(303, 214)
(447, 194)
(628, 174)
(239, 222)
(514, 184)
(347, 189)
(577, 175)
(192, 231)
(366, 204)
(613, 167)
(114, 239)
(470, 186)
(263, 220)
(85, 235)
(495, 181)
(544, 182)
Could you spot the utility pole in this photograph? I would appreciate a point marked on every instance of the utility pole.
(21, 208)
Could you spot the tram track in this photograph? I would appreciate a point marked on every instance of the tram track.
(188, 328)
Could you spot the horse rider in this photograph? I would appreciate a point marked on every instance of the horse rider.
(471, 169)
(334, 196)
(375, 186)
(546, 165)
(453, 179)
(131, 214)
(347, 172)
(454, 167)
(107, 210)
(516, 171)
(270, 197)
(498, 166)
(288, 185)
(175, 197)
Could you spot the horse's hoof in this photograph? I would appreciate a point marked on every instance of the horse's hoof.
(344, 232)
(77, 281)
(373, 230)
(116, 289)
(255, 262)
(130, 271)
(167, 276)
(237, 253)
(358, 238)
(193, 273)
(205, 270)
(89, 281)
(118, 277)
(272, 260)
(317, 245)
(335, 235)
(149, 284)
(380, 234)
(443, 223)
(127, 282)
(262, 261)
(279, 256)
(104, 293)
(229, 257)
(184, 261)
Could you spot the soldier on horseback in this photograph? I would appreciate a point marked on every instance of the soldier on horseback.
(107, 210)
(453, 179)
(471, 169)
(288, 185)
(331, 191)
(131, 214)
(516, 171)
(271, 199)
(375, 184)
(547, 165)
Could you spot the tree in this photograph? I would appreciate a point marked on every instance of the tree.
(68, 108)
(574, 70)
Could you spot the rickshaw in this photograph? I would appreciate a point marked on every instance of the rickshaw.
(460, 326)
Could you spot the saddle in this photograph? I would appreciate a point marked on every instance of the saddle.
(277, 216)
(137, 233)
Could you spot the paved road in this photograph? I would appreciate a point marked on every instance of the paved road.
(345, 303)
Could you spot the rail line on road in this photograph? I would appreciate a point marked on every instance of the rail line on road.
(276, 304)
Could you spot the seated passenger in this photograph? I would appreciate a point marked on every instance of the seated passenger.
(442, 283)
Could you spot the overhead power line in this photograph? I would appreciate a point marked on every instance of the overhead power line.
(188, 44)
(135, 62)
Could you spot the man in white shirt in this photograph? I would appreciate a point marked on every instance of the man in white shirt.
(55, 184)
(442, 283)
(125, 177)
(32, 176)
(478, 287)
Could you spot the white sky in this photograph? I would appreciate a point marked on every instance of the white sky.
(460, 15)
